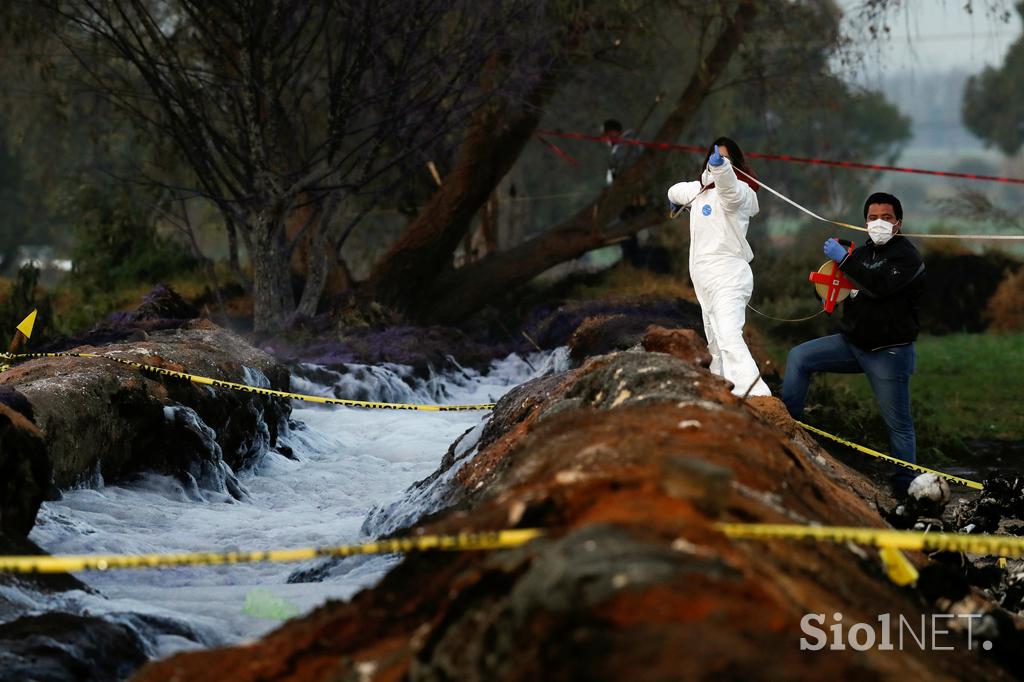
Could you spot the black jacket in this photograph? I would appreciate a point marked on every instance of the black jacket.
(890, 281)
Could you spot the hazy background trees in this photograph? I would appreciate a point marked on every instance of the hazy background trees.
(287, 148)
(993, 107)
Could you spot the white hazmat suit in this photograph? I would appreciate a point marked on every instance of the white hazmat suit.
(720, 270)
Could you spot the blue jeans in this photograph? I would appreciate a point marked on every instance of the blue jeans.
(888, 370)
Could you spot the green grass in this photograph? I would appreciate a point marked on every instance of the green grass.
(970, 385)
(973, 383)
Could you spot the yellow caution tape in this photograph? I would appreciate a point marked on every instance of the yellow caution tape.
(998, 545)
(897, 566)
(207, 381)
(102, 562)
(894, 460)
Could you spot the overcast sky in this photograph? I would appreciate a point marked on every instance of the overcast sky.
(939, 35)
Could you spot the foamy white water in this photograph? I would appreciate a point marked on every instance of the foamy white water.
(348, 461)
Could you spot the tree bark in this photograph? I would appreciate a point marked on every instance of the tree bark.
(317, 268)
(457, 293)
(273, 300)
(489, 223)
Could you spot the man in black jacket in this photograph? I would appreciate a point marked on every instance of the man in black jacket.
(878, 328)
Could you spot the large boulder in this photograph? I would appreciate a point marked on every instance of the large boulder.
(626, 462)
(106, 419)
(55, 647)
(24, 472)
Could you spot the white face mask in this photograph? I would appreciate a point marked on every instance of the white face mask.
(880, 231)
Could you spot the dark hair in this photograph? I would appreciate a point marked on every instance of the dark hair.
(735, 158)
(884, 198)
(612, 124)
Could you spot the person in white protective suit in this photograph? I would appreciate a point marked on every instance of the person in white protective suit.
(721, 206)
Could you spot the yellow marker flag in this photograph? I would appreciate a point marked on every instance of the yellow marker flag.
(26, 325)
(898, 566)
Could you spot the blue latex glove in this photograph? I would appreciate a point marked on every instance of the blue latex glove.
(716, 159)
(834, 250)
(673, 207)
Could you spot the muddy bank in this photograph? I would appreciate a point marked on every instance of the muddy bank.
(626, 461)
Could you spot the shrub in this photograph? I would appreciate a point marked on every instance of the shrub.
(1005, 310)
(117, 243)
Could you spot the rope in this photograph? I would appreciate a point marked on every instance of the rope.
(783, 319)
(920, 235)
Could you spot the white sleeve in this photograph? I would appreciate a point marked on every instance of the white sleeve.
(736, 196)
(683, 193)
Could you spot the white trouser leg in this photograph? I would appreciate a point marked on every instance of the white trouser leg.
(727, 295)
(709, 332)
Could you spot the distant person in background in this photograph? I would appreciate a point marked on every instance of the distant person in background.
(721, 206)
(878, 328)
(620, 157)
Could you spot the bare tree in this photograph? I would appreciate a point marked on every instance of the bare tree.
(428, 287)
(287, 111)
(495, 138)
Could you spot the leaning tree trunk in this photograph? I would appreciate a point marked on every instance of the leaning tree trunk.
(456, 293)
(494, 142)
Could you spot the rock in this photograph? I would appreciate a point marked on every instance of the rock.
(551, 328)
(20, 591)
(69, 641)
(24, 473)
(685, 344)
(62, 646)
(631, 378)
(56, 646)
(626, 462)
(603, 334)
(111, 420)
(10, 397)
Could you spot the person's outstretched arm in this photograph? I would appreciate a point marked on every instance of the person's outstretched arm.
(735, 195)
